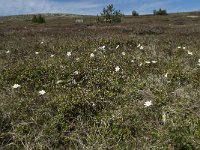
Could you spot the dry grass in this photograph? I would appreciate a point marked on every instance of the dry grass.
(99, 107)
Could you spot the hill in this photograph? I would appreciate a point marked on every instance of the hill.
(68, 85)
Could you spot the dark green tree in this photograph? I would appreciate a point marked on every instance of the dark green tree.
(135, 13)
(34, 19)
(38, 19)
(110, 15)
(160, 12)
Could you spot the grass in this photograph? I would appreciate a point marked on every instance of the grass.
(95, 106)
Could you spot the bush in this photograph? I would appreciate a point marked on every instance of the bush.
(38, 19)
(160, 12)
(135, 13)
(110, 15)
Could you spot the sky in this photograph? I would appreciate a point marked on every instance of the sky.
(94, 7)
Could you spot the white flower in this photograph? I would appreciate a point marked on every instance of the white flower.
(140, 64)
(42, 42)
(7, 52)
(117, 68)
(132, 61)
(91, 55)
(154, 61)
(52, 55)
(69, 53)
(189, 53)
(15, 86)
(184, 47)
(179, 47)
(102, 47)
(141, 47)
(59, 81)
(138, 45)
(123, 53)
(147, 62)
(148, 103)
(42, 92)
(199, 61)
(36, 53)
(166, 75)
(76, 72)
(117, 47)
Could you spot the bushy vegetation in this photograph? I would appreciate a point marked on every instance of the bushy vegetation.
(100, 87)
(135, 13)
(38, 19)
(110, 15)
(160, 12)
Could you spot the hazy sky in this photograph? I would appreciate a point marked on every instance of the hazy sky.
(94, 7)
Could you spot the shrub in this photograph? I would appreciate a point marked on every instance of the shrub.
(135, 13)
(38, 19)
(110, 15)
(160, 12)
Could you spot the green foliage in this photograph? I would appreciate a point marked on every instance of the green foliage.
(135, 13)
(110, 15)
(38, 19)
(160, 12)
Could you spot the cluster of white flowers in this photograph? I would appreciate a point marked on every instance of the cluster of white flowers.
(179, 47)
(15, 86)
(148, 62)
(140, 47)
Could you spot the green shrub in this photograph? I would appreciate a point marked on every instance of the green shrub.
(135, 13)
(110, 15)
(38, 19)
(160, 12)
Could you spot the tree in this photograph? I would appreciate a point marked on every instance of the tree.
(160, 12)
(135, 13)
(110, 15)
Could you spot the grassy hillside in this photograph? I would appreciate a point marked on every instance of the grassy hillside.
(67, 85)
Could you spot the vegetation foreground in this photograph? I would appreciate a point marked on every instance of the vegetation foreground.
(133, 85)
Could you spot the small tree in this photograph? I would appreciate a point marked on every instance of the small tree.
(110, 15)
(160, 12)
(34, 19)
(135, 13)
(38, 19)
